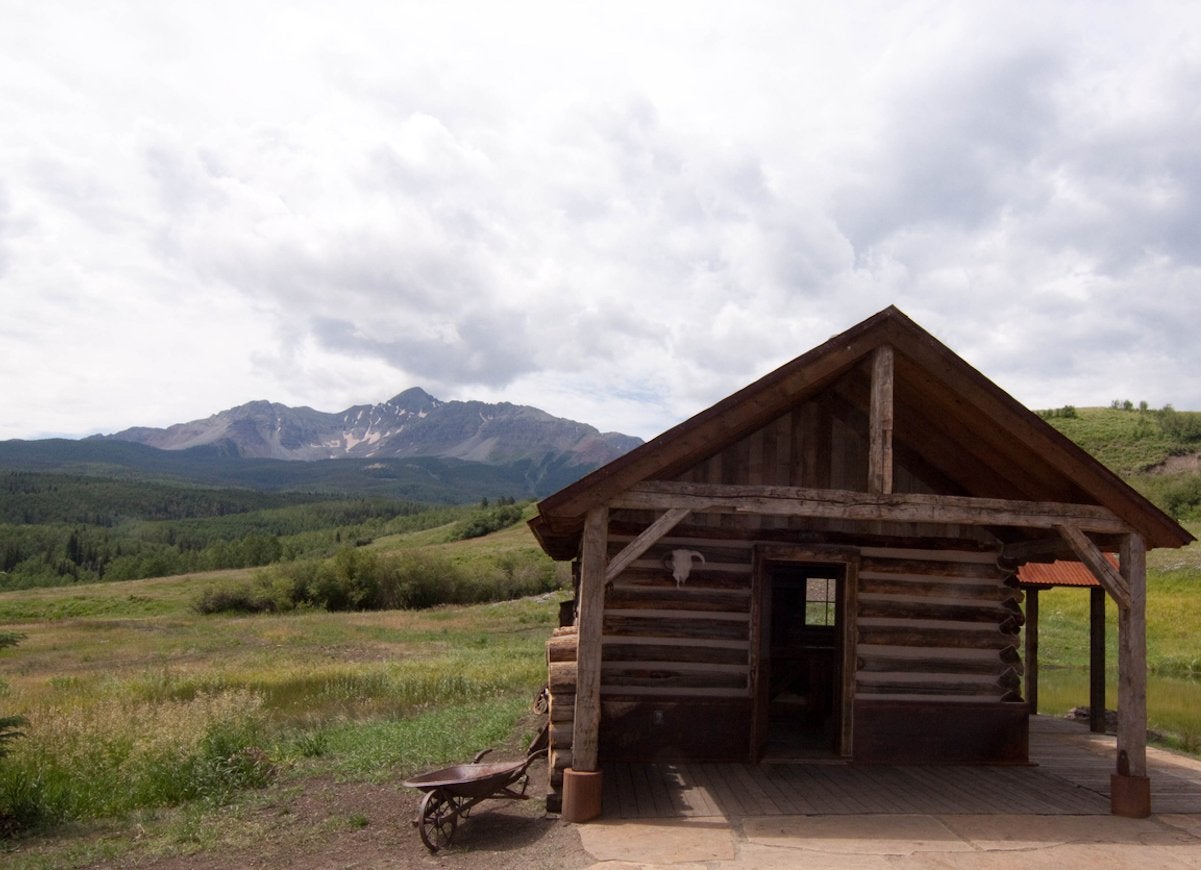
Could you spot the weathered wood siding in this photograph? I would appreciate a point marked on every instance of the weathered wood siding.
(822, 443)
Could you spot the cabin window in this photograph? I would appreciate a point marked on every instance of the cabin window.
(820, 600)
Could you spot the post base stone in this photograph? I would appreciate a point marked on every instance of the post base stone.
(1129, 796)
(581, 795)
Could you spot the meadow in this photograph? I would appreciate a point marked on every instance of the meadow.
(153, 729)
(136, 702)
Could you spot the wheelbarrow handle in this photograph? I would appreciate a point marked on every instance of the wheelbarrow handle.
(480, 755)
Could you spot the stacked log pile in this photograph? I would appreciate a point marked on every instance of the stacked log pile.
(561, 681)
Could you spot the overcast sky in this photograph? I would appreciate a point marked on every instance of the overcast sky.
(617, 212)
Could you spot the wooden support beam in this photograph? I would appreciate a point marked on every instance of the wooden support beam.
(1096, 660)
(1132, 659)
(880, 425)
(588, 653)
(1041, 550)
(795, 501)
(1032, 649)
(1086, 551)
(649, 537)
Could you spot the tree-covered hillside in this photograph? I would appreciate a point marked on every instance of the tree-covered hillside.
(57, 528)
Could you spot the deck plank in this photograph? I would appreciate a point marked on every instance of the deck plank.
(1069, 775)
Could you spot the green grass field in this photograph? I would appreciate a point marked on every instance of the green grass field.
(125, 685)
(134, 701)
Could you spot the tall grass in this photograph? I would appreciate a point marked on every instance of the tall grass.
(105, 757)
(177, 708)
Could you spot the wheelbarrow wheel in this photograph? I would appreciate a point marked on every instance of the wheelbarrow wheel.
(439, 816)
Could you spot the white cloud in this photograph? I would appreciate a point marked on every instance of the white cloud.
(619, 213)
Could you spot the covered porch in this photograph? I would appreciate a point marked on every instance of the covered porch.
(1069, 774)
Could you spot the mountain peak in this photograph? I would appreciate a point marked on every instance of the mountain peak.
(414, 399)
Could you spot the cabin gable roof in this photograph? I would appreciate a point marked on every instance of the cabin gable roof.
(954, 429)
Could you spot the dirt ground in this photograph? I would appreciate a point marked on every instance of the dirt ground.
(320, 822)
(355, 825)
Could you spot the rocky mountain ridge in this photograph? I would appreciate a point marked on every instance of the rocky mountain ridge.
(412, 423)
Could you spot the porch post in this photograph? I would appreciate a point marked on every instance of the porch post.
(1096, 660)
(1130, 789)
(1032, 649)
(582, 781)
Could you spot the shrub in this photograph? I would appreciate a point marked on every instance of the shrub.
(416, 580)
(1180, 425)
(245, 598)
(1178, 495)
(358, 579)
(1067, 412)
(486, 522)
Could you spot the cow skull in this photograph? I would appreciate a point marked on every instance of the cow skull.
(680, 563)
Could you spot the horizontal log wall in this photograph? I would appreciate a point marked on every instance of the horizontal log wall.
(670, 640)
(936, 625)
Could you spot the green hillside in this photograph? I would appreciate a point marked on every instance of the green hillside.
(1155, 451)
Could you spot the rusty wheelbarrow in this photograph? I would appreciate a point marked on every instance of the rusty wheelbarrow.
(451, 792)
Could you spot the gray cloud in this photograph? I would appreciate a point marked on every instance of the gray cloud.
(620, 215)
(955, 146)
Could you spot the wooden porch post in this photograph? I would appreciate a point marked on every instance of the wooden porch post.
(1032, 649)
(1130, 789)
(582, 781)
(1096, 660)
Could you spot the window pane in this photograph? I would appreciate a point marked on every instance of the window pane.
(820, 601)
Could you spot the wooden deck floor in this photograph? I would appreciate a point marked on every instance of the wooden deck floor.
(1070, 776)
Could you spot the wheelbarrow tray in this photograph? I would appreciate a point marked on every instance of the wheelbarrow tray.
(471, 780)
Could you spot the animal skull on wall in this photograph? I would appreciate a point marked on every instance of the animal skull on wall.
(680, 563)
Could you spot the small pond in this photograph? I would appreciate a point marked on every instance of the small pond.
(1173, 703)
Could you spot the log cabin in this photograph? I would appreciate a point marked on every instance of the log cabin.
(824, 564)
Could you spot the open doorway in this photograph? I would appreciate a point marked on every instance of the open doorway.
(801, 699)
